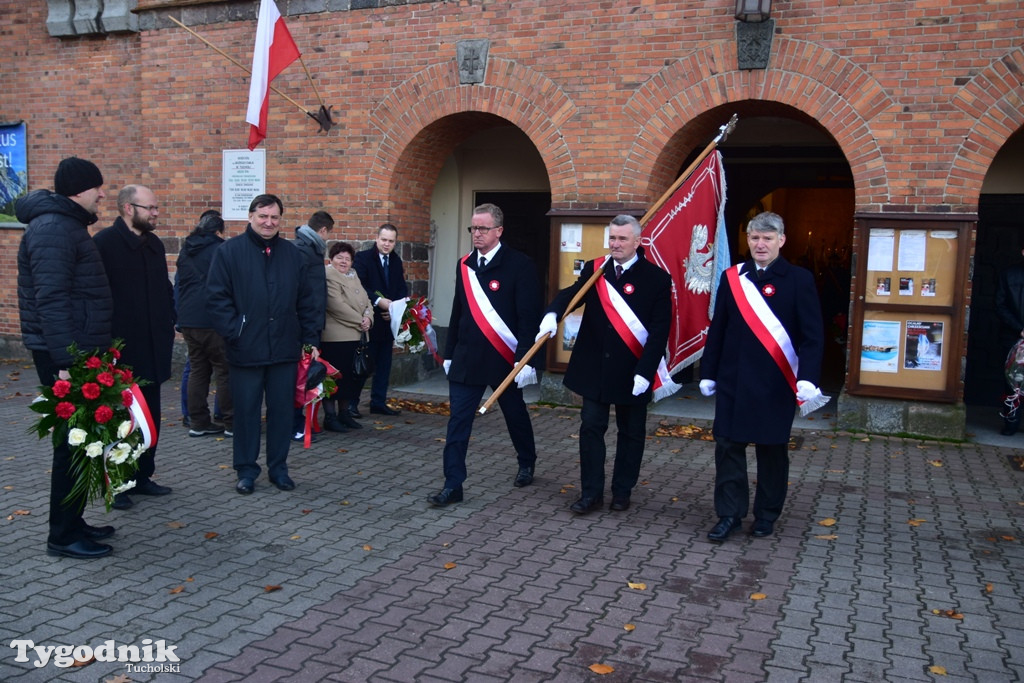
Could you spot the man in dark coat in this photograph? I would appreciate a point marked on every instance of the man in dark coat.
(206, 356)
(136, 266)
(261, 302)
(756, 397)
(64, 297)
(610, 365)
(380, 270)
(311, 239)
(496, 308)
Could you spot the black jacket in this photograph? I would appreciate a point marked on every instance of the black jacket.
(63, 294)
(1010, 305)
(190, 279)
(371, 273)
(143, 298)
(260, 301)
(314, 255)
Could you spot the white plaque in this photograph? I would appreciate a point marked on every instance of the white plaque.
(244, 177)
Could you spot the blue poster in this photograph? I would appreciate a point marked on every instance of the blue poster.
(13, 168)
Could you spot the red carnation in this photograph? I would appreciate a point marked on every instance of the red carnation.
(106, 379)
(65, 410)
(127, 398)
(93, 363)
(115, 353)
(103, 414)
(61, 388)
(126, 376)
(91, 390)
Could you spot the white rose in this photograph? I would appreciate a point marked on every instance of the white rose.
(124, 429)
(94, 450)
(76, 437)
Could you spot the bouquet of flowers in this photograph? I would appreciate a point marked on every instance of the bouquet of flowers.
(410, 325)
(100, 413)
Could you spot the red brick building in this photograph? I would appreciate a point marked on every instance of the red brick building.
(862, 115)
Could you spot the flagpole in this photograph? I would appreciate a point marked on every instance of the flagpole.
(243, 67)
(723, 132)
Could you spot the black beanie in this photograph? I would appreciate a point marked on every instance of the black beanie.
(76, 175)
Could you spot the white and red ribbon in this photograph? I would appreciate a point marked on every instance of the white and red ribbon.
(487, 319)
(141, 418)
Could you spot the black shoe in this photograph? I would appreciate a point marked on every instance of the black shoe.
(725, 526)
(1009, 428)
(97, 533)
(587, 504)
(762, 528)
(384, 410)
(349, 421)
(207, 431)
(284, 482)
(619, 503)
(122, 502)
(524, 477)
(333, 423)
(445, 497)
(150, 488)
(354, 412)
(80, 550)
(245, 486)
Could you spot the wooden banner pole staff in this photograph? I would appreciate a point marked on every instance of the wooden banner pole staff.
(241, 66)
(311, 83)
(722, 134)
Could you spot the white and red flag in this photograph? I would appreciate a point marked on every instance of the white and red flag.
(274, 51)
(686, 238)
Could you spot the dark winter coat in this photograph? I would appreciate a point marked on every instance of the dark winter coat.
(602, 366)
(510, 281)
(1010, 306)
(371, 273)
(260, 301)
(143, 298)
(314, 255)
(63, 293)
(190, 279)
(753, 401)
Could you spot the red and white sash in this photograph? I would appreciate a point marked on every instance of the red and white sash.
(632, 332)
(141, 417)
(486, 318)
(765, 326)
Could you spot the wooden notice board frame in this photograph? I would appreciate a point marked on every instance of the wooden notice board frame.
(907, 334)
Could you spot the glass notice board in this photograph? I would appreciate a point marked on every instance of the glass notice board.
(909, 292)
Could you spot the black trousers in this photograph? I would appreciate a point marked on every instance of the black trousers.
(66, 521)
(249, 385)
(732, 491)
(631, 421)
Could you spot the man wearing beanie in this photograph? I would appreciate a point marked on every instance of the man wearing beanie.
(64, 297)
(136, 266)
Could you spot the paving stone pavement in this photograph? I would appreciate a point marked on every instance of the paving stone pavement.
(920, 569)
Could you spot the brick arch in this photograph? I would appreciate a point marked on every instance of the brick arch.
(424, 118)
(833, 91)
(994, 101)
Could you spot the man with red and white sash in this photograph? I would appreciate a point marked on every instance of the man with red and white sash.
(496, 308)
(616, 359)
(762, 359)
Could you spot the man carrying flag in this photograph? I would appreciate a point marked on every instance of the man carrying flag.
(762, 359)
(618, 358)
(274, 51)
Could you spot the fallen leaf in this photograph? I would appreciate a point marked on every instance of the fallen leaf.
(83, 662)
(223, 467)
(601, 669)
(344, 502)
(827, 537)
(22, 512)
(120, 678)
(916, 522)
(937, 670)
(367, 547)
(828, 521)
(306, 512)
(271, 589)
(176, 525)
(295, 537)
(450, 565)
(211, 534)
(630, 627)
(866, 439)
(343, 450)
(8, 488)
(935, 463)
(988, 588)
(637, 586)
(189, 580)
(384, 428)
(1005, 538)
(178, 589)
(758, 596)
(675, 499)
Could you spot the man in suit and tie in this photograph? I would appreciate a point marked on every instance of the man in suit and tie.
(617, 359)
(380, 270)
(496, 308)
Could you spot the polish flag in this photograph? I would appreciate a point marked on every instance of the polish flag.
(274, 51)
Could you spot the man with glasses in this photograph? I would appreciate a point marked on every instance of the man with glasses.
(380, 270)
(496, 309)
(144, 316)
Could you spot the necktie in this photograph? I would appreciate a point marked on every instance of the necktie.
(386, 273)
(760, 273)
(483, 262)
(618, 271)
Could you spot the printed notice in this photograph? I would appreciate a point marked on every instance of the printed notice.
(881, 242)
(923, 350)
(912, 250)
(244, 176)
(572, 237)
(880, 346)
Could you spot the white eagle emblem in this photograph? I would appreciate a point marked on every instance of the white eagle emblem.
(699, 266)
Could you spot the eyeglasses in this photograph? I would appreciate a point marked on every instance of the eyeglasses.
(480, 229)
(151, 208)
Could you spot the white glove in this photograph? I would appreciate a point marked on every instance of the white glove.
(548, 327)
(446, 365)
(527, 377)
(707, 387)
(640, 385)
(805, 391)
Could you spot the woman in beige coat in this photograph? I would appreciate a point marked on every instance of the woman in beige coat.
(349, 314)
